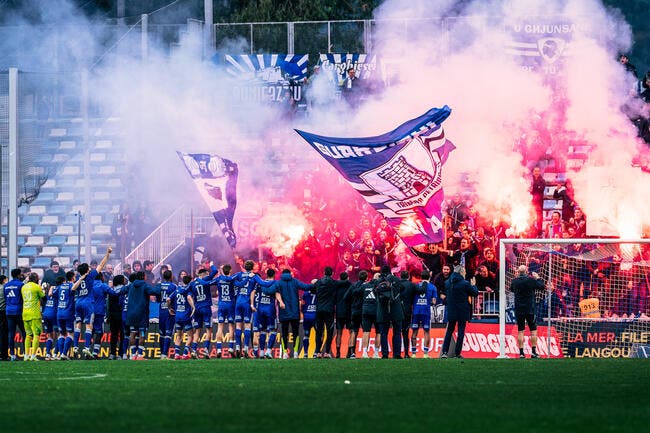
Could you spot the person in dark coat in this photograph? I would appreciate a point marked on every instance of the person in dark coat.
(389, 311)
(525, 288)
(343, 304)
(408, 291)
(325, 289)
(458, 309)
(288, 297)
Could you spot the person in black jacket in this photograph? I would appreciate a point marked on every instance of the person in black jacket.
(342, 309)
(115, 318)
(389, 311)
(325, 289)
(354, 296)
(407, 294)
(524, 288)
(458, 309)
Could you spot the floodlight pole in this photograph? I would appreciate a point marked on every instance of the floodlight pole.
(12, 223)
(208, 29)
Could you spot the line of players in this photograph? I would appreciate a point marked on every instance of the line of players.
(247, 312)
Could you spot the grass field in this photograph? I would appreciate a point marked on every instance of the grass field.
(312, 396)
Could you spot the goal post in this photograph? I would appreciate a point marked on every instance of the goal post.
(595, 302)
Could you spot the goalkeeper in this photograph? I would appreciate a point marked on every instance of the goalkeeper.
(524, 288)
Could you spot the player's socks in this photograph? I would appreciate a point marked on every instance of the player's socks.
(219, 346)
(271, 343)
(167, 341)
(48, 347)
(262, 341)
(88, 338)
(521, 352)
(338, 351)
(125, 343)
(206, 346)
(194, 346)
(534, 350)
(76, 338)
(305, 345)
(231, 345)
(67, 345)
(237, 339)
(59, 344)
(247, 338)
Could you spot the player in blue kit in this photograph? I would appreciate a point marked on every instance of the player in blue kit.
(65, 314)
(50, 326)
(225, 309)
(165, 320)
(14, 304)
(245, 283)
(425, 297)
(263, 305)
(202, 318)
(180, 304)
(100, 292)
(308, 319)
(84, 303)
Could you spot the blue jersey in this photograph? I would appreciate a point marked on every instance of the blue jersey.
(225, 289)
(422, 303)
(13, 298)
(264, 302)
(200, 290)
(85, 292)
(100, 290)
(51, 305)
(246, 282)
(166, 288)
(180, 304)
(124, 302)
(65, 304)
(309, 304)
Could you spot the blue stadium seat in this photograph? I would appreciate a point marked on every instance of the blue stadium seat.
(42, 262)
(69, 250)
(4, 262)
(30, 220)
(45, 196)
(20, 240)
(58, 209)
(43, 230)
(4, 230)
(56, 241)
(27, 251)
(65, 183)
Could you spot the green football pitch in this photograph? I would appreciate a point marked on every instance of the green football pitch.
(423, 395)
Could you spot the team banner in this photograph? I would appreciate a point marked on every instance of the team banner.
(399, 173)
(541, 43)
(364, 65)
(265, 77)
(216, 180)
(620, 338)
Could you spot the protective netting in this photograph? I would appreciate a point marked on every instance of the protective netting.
(596, 296)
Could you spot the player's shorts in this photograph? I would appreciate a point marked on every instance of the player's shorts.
(165, 323)
(355, 322)
(308, 322)
(367, 321)
(202, 318)
(83, 313)
(522, 318)
(421, 320)
(264, 321)
(243, 313)
(138, 329)
(342, 322)
(33, 327)
(225, 312)
(183, 325)
(66, 325)
(98, 324)
(50, 325)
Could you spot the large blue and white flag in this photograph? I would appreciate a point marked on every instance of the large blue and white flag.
(216, 180)
(399, 173)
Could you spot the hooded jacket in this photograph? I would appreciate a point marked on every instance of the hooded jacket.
(458, 292)
(288, 288)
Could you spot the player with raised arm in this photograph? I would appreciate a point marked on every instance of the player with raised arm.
(263, 305)
(65, 314)
(84, 302)
(225, 309)
(202, 318)
(425, 297)
(178, 302)
(165, 320)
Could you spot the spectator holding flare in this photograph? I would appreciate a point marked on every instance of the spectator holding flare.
(524, 288)
(32, 294)
(458, 309)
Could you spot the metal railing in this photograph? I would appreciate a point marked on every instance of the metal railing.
(169, 236)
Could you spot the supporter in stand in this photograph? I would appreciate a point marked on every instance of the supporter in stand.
(564, 192)
(579, 223)
(555, 227)
(537, 186)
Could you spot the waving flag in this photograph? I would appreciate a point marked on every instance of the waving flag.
(216, 180)
(399, 173)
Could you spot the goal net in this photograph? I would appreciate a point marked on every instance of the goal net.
(595, 302)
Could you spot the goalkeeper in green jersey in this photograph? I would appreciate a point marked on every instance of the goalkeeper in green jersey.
(32, 294)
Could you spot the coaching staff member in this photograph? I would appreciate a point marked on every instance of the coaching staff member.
(458, 308)
(524, 288)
